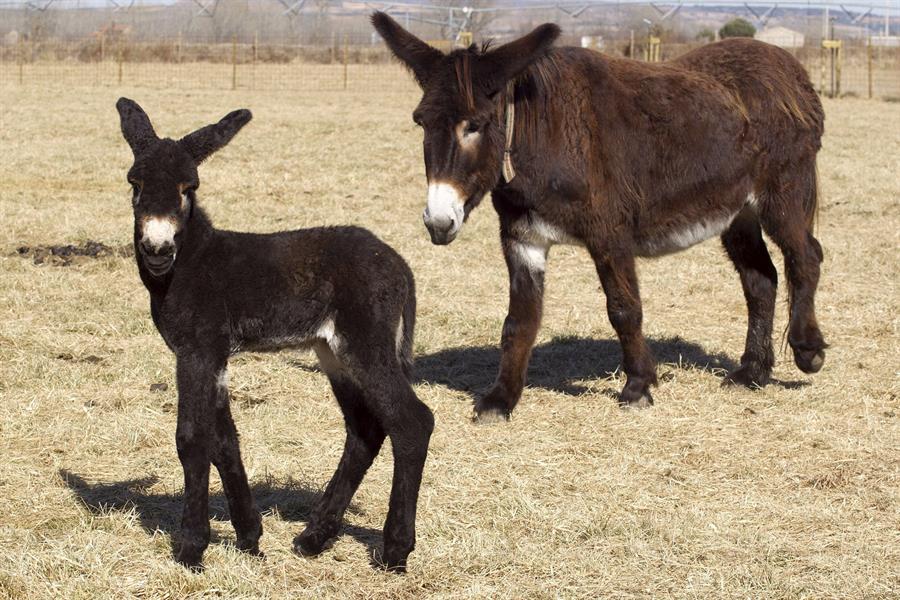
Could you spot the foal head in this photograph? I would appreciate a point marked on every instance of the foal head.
(164, 178)
(464, 139)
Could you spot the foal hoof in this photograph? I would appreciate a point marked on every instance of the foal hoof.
(191, 558)
(394, 562)
(749, 375)
(310, 543)
(809, 361)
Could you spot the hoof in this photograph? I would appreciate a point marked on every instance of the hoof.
(643, 401)
(491, 409)
(748, 375)
(250, 548)
(394, 562)
(809, 361)
(488, 416)
(191, 558)
(311, 543)
(635, 395)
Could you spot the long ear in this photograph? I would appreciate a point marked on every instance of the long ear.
(136, 127)
(207, 140)
(418, 56)
(498, 66)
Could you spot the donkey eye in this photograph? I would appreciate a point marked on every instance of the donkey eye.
(472, 127)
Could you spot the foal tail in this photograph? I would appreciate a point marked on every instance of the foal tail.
(408, 328)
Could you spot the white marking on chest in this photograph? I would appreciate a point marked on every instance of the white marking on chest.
(327, 333)
(399, 337)
(752, 201)
(158, 232)
(222, 378)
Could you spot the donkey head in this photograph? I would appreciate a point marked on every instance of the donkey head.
(164, 179)
(464, 139)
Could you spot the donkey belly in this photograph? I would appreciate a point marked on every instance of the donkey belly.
(678, 234)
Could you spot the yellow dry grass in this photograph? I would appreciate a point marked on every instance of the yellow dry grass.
(790, 491)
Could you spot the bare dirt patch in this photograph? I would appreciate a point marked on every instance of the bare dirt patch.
(65, 255)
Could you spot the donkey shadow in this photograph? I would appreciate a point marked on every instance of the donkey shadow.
(562, 363)
(161, 511)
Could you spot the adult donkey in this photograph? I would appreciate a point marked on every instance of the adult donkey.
(627, 159)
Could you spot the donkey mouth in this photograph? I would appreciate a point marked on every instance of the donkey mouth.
(159, 265)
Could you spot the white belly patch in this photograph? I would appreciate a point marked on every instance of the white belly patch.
(686, 236)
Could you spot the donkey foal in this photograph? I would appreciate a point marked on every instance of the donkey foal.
(213, 293)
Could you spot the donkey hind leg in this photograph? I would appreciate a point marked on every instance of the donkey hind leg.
(745, 246)
(409, 423)
(623, 305)
(787, 214)
(226, 456)
(364, 438)
(526, 291)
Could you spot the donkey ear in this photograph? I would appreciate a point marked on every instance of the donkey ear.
(136, 127)
(211, 138)
(419, 57)
(498, 66)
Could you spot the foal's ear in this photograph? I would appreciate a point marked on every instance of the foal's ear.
(419, 57)
(498, 66)
(207, 140)
(136, 127)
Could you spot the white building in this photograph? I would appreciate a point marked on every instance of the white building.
(781, 36)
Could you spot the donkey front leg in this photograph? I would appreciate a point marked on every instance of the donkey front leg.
(623, 305)
(226, 455)
(196, 377)
(526, 263)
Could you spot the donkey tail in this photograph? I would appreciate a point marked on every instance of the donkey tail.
(407, 331)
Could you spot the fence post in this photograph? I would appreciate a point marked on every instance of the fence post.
(121, 59)
(255, 56)
(234, 62)
(178, 49)
(344, 59)
(21, 60)
(869, 64)
(631, 46)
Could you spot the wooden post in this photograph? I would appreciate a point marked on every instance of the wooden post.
(631, 45)
(345, 61)
(234, 62)
(869, 64)
(255, 56)
(121, 58)
(21, 61)
(178, 48)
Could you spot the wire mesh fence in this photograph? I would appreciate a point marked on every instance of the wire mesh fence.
(250, 45)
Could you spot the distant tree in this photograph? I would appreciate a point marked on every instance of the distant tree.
(737, 28)
(706, 35)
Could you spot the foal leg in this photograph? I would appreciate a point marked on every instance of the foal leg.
(525, 263)
(196, 375)
(364, 439)
(787, 213)
(745, 246)
(623, 305)
(409, 423)
(226, 455)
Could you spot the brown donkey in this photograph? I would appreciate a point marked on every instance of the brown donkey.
(627, 159)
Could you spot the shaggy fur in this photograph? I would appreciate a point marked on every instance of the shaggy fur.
(213, 293)
(630, 159)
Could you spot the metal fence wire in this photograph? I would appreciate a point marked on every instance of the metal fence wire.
(245, 45)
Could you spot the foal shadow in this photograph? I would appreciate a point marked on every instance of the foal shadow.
(161, 511)
(560, 364)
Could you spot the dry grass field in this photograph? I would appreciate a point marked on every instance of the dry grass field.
(792, 491)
